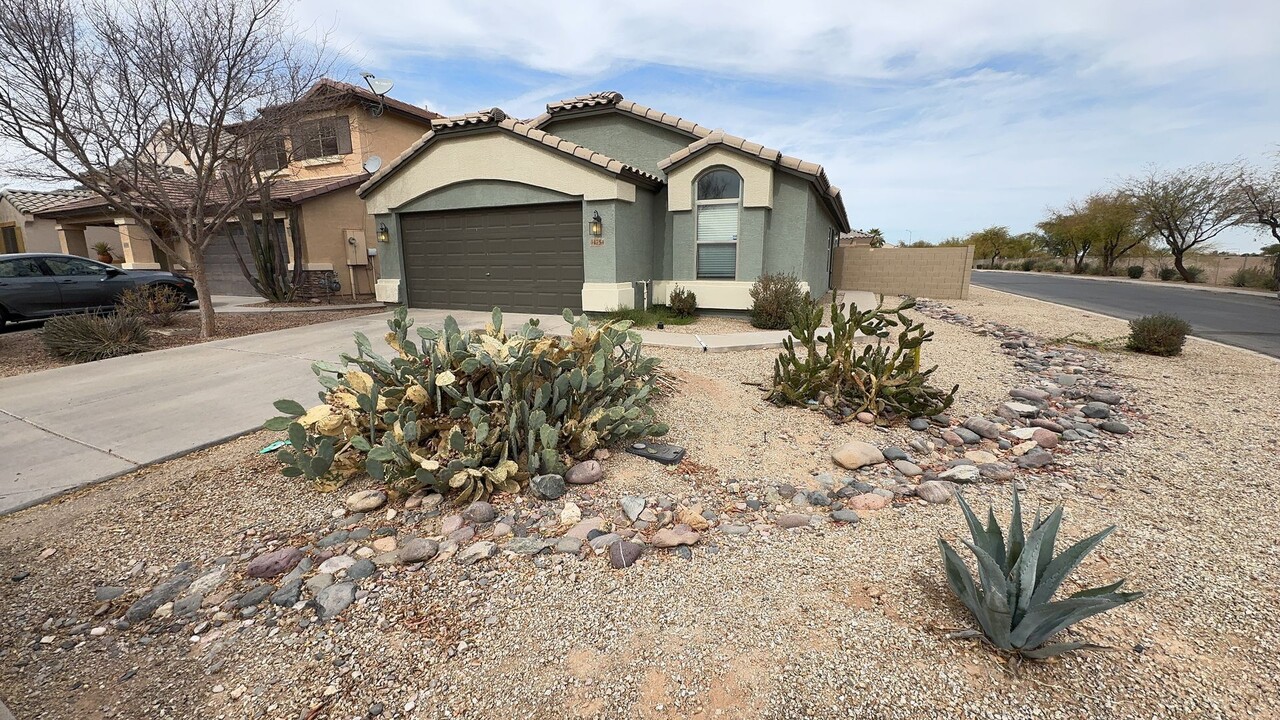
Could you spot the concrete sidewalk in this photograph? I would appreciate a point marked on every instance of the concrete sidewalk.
(67, 427)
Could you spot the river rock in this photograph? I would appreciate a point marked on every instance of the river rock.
(585, 473)
(476, 552)
(624, 554)
(794, 520)
(868, 502)
(982, 427)
(632, 506)
(961, 473)
(1115, 427)
(1046, 439)
(547, 487)
(855, 454)
(907, 468)
(145, 606)
(479, 512)
(366, 501)
(675, 536)
(274, 563)
(418, 550)
(331, 601)
(936, 491)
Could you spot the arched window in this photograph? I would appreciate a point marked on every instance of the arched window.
(718, 205)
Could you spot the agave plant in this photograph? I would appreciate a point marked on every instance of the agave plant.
(1017, 579)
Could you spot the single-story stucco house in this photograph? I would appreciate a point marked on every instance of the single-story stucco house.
(594, 205)
(22, 231)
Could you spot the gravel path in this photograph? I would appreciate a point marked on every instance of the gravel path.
(833, 621)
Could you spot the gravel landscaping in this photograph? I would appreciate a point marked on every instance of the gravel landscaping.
(22, 352)
(787, 568)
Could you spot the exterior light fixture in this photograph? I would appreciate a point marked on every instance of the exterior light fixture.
(597, 226)
(383, 234)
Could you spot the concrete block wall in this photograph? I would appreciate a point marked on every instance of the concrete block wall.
(940, 272)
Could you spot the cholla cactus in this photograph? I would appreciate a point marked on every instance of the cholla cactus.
(476, 412)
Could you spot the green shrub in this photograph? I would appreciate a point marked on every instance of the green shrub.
(1017, 579)
(1196, 272)
(682, 302)
(1056, 267)
(159, 304)
(648, 318)
(774, 298)
(1135, 271)
(1167, 273)
(1083, 269)
(86, 337)
(1253, 278)
(1160, 334)
(1028, 264)
(884, 379)
(472, 412)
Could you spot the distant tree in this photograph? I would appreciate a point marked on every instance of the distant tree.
(877, 237)
(1260, 206)
(1022, 245)
(1068, 233)
(1117, 225)
(1186, 208)
(990, 243)
(954, 242)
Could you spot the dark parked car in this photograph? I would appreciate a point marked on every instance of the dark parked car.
(34, 286)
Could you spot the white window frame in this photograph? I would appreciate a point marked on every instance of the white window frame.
(698, 204)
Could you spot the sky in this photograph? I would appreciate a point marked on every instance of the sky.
(935, 117)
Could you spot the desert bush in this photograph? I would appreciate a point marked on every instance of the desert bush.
(160, 304)
(1017, 579)
(472, 412)
(1160, 334)
(774, 298)
(682, 302)
(1196, 272)
(1083, 269)
(1253, 278)
(85, 337)
(1029, 264)
(884, 378)
(1167, 273)
(1135, 271)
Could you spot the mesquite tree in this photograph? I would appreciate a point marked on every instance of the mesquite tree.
(1187, 207)
(147, 104)
(1260, 203)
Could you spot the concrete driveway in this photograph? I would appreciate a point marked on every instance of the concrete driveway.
(70, 426)
(1249, 321)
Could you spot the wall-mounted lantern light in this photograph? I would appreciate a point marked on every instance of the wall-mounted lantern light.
(597, 226)
(383, 234)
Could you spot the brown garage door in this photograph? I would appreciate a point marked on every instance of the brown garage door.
(524, 258)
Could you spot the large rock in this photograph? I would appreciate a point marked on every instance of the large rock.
(1105, 396)
(1036, 458)
(868, 502)
(855, 454)
(418, 550)
(366, 501)
(936, 491)
(624, 554)
(632, 506)
(479, 512)
(983, 427)
(585, 473)
(1115, 427)
(961, 473)
(1021, 409)
(907, 468)
(145, 606)
(547, 487)
(1096, 410)
(676, 536)
(274, 563)
(477, 552)
(1046, 439)
(331, 601)
(794, 520)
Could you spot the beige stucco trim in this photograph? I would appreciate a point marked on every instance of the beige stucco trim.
(314, 267)
(494, 156)
(601, 297)
(387, 291)
(757, 179)
(712, 294)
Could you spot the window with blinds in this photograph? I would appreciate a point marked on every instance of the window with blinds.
(719, 193)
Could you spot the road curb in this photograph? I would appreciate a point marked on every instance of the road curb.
(1237, 348)
(1173, 286)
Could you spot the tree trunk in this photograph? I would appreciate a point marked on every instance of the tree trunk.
(1182, 269)
(207, 321)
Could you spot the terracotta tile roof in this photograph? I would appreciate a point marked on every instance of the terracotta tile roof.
(811, 171)
(348, 89)
(496, 118)
(289, 192)
(611, 98)
(34, 201)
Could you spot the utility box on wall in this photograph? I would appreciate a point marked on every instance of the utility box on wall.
(357, 250)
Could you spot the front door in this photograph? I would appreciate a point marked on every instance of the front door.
(85, 284)
(26, 290)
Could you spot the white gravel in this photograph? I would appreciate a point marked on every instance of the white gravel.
(836, 622)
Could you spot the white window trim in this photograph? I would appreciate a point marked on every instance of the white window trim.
(698, 204)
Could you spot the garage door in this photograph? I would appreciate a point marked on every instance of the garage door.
(225, 277)
(525, 258)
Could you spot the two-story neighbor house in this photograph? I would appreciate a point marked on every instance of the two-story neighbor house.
(317, 165)
(596, 204)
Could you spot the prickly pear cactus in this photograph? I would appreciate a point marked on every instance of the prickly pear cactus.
(882, 378)
(472, 413)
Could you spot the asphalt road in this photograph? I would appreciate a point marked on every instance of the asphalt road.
(1245, 321)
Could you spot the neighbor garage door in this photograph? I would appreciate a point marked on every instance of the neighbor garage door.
(220, 266)
(525, 258)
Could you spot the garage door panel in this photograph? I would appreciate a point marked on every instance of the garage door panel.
(522, 258)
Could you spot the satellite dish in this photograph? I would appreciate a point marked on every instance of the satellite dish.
(372, 164)
(380, 86)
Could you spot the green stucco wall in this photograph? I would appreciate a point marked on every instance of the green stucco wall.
(483, 193)
(629, 140)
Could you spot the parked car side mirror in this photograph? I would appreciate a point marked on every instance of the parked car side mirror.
(114, 272)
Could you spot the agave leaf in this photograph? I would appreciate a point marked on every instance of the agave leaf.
(990, 574)
(1044, 621)
(1064, 564)
(1024, 575)
(1104, 590)
(1055, 649)
(1017, 539)
(1051, 525)
(979, 534)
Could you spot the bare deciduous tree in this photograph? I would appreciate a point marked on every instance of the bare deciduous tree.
(1187, 207)
(1260, 203)
(108, 94)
